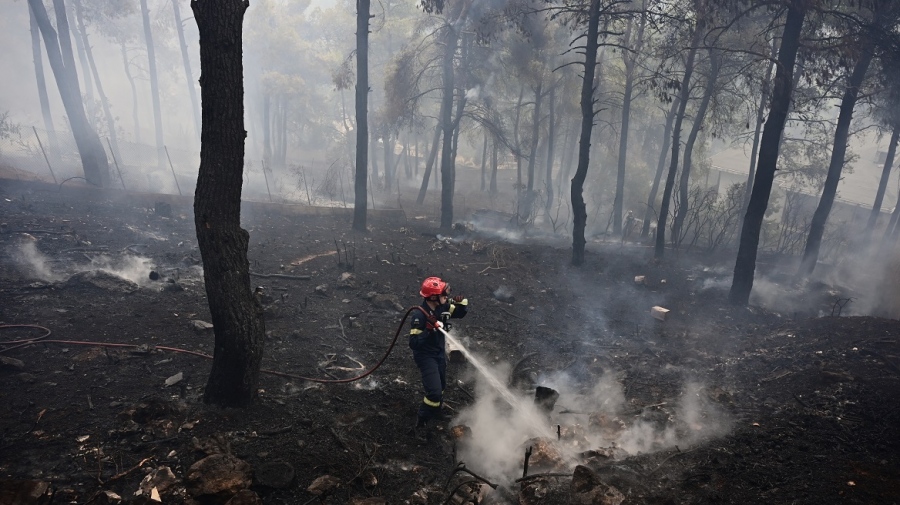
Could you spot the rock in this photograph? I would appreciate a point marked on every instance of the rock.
(545, 457)
(275, 474)
(545, 398)
(658, 312)
(244, 497)
(25, 492)
(387, 302)
(324, 485)
(162, 480)
(154, 275)
(175, 379)
(346, 281)
(588, 489)
(26, 378)
(216, 444)
(322, 290)
(7, 363)
(219, 475)
(201, 327)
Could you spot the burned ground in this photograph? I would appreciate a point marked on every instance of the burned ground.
(716, 404)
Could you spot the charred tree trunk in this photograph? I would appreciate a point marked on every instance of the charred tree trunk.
(782, 87)
(579, 209)
(447, 165)
(188, 74)
(660, 249)
(836, 166)
(267, 129)
(684, 183)
(80, 37)
(493, 186)
(154, 85)
(38, 57)
(362, 114)
(59, 50)
(237, 316)
(526, 206)
(484, 150)
(882, 184)
(660, 166)
(517, 154)
(432, 156)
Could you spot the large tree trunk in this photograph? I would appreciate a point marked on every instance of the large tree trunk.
(836, 166)
(579, 209)
(660, 166)
(451, 38)
(188, 74)
(154, 85)
(685, 182)
(104, 101)
(782, 87)
(660, 249)
(93, 156)
(134, 97)
(362, 114)
(882, 184)
(237, 316)
(38, 57)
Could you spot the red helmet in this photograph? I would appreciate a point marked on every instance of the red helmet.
(434, 286)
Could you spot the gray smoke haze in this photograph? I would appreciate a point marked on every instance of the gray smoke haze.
(34, 263)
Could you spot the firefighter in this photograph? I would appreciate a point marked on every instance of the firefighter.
(428, 343)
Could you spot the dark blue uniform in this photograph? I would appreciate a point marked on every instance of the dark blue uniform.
(430, 353)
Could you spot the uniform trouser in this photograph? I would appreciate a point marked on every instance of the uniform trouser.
(433, 367)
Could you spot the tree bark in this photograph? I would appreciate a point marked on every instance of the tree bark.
(237, 316)
(93, 156)
(782, 87)
(362, 114)
(188, 74)
(684, 183)
(882, 184)
(484, 150)
(629, 59)
(579, 209)
(551, 140)
(432, 156)
(660, 249)
(80, 37)
(836, 166)
(154, 85)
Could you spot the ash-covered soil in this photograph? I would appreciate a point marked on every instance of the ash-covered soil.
(716, 404)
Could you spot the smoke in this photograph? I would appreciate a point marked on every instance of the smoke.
(595, 417)
(35, 264)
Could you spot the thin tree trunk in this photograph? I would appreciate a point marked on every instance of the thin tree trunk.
(526, 209)
(134, 97)
(451, 39)
(882, 184)
(494, 162)
(432, 156)
(362, 110)
(484, 150)
(685, 182)
(80, 41)
(237, 316)
(782, 87)
(660, 249)
(38, 57)
(629, 59)
(516, 143)
(579, 209)
(267, 129)
(836, 166)
(59, 49)
(188, 74)
(388, 160)
(551, 140)
(154, 85)
(660, 166)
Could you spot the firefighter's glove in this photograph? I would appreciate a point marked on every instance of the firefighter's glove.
(433, 323)
(460, 300)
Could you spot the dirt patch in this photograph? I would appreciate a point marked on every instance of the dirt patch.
(713, 405)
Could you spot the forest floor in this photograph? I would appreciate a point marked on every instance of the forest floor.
(794, 403)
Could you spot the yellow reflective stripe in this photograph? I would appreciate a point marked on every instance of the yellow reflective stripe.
(452, 308)
(415, 331)
(430, 403)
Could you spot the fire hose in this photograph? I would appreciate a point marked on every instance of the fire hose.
(16, 344)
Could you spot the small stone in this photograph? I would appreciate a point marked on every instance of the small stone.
(7, 363)
(322, 289)
(175, 379)
(27, 378)
(324, 485)
(201, 326)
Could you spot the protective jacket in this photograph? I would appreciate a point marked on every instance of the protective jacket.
(430, 352)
